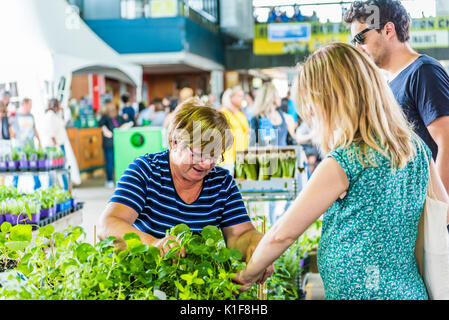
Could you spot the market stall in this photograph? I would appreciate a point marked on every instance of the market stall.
(45, 45)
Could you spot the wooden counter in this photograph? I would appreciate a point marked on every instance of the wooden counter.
(87, 145)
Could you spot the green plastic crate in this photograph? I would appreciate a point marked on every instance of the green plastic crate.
(135, 142)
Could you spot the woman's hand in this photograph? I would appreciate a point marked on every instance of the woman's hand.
(165, 244)
(248, 281)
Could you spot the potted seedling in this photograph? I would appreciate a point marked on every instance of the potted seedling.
(13, 241)
(33, 162)
(23, 163)
(46, 199)
(264, 166)
(288, 164)
(41, 159)
(28, 211)
(251, 166)
(14, 162)
(240, 166)
(3, 164)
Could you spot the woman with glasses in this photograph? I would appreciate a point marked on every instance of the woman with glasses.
(182, 185)
(371, 187)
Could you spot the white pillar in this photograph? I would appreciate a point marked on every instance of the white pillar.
(216, 82)
(442, 7)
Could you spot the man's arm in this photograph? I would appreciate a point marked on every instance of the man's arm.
(439, 130)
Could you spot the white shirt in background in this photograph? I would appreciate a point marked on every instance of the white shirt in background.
(53, 127)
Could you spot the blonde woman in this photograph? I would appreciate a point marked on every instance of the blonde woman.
(269, 125)
(371, 187)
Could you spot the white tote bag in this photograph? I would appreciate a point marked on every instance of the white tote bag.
(432, 246)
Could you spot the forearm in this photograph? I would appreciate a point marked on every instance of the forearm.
(116, 227)
(269, 249)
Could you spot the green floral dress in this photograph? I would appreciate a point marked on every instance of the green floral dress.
(368, 238)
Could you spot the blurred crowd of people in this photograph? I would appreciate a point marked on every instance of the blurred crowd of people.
(277, 14)
(247, 112)
(262, 111)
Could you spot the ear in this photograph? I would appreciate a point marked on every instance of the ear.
(390, 30)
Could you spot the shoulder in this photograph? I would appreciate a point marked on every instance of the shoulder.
(149, 165)
(429, 68)
(347, 158)
(220, 176)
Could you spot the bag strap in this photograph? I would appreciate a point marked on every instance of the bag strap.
(430, 191)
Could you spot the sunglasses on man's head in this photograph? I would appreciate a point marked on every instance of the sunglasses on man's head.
(358, 37)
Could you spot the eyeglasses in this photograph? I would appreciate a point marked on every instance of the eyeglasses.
(358, 37)
(201, 158)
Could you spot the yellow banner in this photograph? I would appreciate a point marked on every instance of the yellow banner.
(425, 33)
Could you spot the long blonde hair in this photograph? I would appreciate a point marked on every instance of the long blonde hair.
(265, 99)
(344, 98)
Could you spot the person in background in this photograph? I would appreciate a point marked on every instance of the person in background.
(109, 121)
(297, 16)
(419, 83)
(371, 187)
(269, 123)
(270, 127)
(232, 109)
(184, 94)
(314, 17)
(128, 112)
(213, 101)
(53, 133)
(166, 102)
(273, 16)
(247, 104)
(4, 122)
(23, 131)
(305, 137)
(140, 107)
(145, 116)
(160, 114)
(5, 97)
(23, 125)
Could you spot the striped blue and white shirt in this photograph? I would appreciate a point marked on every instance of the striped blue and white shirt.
(147, 187)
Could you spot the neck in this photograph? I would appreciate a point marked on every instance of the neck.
(233, 108)
(402, 56)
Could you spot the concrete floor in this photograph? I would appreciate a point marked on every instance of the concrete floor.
(95, 197)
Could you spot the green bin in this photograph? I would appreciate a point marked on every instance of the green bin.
(135, 142)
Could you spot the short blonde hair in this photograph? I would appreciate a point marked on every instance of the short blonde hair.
(344, 98)
(196, 123)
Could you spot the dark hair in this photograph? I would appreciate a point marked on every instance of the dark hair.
(53, 103)
(142, 106)
(125, 98)
(389, 11)
(158, 106)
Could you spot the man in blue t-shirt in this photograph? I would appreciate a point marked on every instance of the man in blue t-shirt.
(419, 83)
(128, 112)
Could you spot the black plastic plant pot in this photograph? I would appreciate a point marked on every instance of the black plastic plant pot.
(8, 265)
